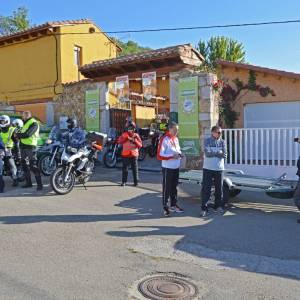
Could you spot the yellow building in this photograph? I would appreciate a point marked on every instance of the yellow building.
(36, 62)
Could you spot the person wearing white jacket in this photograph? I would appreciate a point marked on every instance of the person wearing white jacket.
(170, 154)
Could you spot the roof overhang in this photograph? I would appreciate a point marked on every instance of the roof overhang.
(243, 66)
(162, 61)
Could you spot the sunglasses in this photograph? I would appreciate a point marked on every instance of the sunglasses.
(218, 132)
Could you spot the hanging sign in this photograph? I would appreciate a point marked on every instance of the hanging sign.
(122, 88)
(149, 85)
(188, 115)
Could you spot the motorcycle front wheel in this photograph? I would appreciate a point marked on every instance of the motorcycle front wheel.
(109, 160)
(44, 164)
(58, 183)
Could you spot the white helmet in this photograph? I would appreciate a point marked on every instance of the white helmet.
(18, 123)
(4, 121)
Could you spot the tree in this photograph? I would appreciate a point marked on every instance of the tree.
(131, 47)
(220, 47)
(18, 21)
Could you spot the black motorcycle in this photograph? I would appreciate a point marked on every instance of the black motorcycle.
(49, 156)
(113, 153)
(150, 139)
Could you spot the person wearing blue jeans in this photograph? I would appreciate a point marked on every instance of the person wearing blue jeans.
(215, 153)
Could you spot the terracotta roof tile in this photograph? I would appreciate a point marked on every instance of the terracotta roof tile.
(255, 68)
(142, 56)
(44, 26)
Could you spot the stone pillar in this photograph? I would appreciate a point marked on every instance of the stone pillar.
(208, 103)
(208, 108)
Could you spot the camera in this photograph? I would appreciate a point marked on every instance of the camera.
(297, 140)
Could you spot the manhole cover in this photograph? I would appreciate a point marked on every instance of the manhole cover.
(167, 286)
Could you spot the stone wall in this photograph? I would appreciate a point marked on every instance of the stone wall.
(208, 108)
(71, 102)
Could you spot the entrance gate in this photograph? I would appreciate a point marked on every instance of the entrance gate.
(266, 152)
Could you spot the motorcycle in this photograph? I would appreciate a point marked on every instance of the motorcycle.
(49, 157)
(77, 166)
(113, 151)
(150, 139)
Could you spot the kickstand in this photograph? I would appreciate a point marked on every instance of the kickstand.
(84, 186)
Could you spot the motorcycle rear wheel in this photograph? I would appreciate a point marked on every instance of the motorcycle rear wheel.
(58, 184)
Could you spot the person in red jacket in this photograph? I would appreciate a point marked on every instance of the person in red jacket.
(131, 143)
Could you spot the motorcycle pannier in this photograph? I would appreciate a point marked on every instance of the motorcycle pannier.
(98, 137)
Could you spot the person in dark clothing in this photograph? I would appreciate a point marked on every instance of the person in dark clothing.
(28, 144)
(214, 164)
(131, 143)
(75, 136)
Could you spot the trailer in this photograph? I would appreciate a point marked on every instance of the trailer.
(236, 181)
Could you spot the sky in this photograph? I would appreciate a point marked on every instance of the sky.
(276, 46)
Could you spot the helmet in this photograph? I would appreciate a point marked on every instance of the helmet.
(4, 121)
(72, 123)
(18, 123)
(131, 125)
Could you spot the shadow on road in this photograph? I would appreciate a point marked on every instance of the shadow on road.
(262, 230)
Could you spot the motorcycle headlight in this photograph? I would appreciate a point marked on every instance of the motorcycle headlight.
(48, 141)
(71, 149)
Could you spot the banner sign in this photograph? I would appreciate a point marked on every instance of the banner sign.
(92, 110)
(122, 88)
(188, 116)
(149, 85)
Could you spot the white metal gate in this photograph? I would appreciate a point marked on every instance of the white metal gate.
(263, 151)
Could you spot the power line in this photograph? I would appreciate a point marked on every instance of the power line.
(205, 27)
(181, 28)
(186, 28)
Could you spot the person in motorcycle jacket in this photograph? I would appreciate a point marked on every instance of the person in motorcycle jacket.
(10, 141)
(75, 136)
(131, 143)
(28, 136)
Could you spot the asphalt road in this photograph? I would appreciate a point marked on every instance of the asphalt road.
(98, 243)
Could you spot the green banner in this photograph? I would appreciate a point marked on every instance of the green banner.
(188, 116)
(92, 110)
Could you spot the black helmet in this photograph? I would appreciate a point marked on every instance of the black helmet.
(72, 123)
(131, 125)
